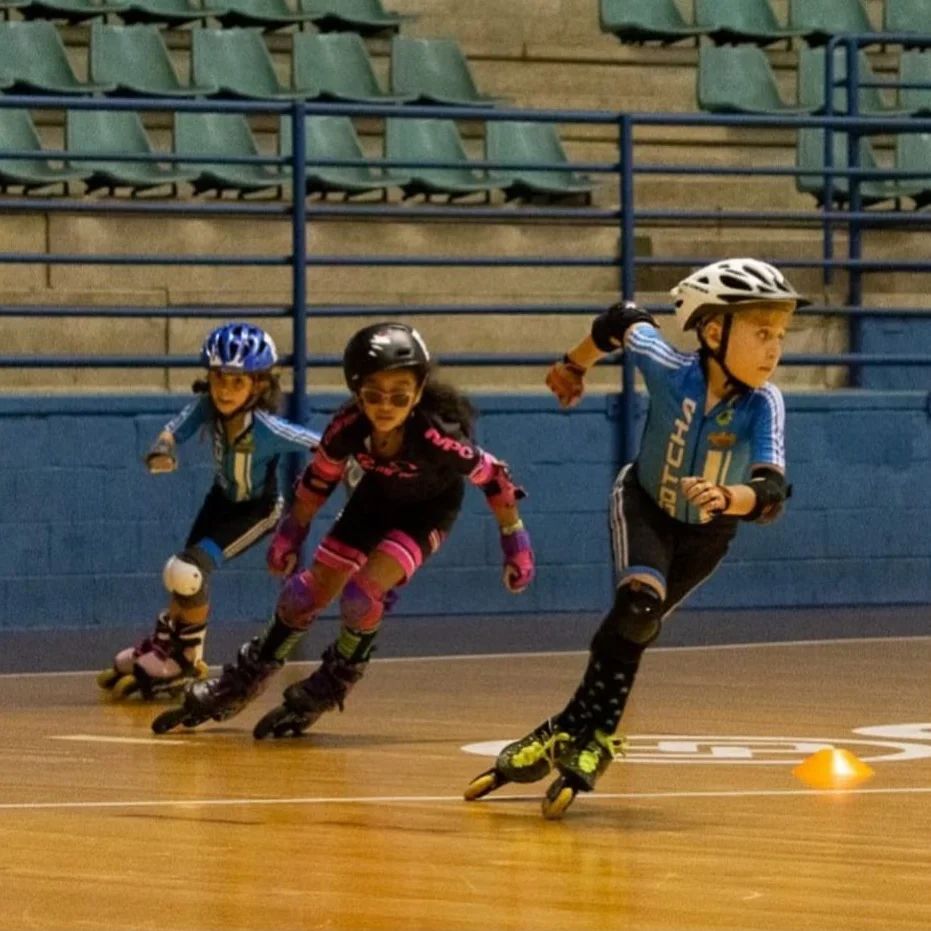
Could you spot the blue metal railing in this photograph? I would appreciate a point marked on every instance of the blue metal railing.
(627, 218)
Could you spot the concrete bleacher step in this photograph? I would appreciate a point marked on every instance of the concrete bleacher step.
(541, 57)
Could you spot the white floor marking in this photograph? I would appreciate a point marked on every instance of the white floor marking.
(100, 739)
(464, 657)
(422, 799)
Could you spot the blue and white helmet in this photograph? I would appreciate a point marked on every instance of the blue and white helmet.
(239, 347)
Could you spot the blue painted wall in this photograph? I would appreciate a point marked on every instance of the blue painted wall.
(86, 530)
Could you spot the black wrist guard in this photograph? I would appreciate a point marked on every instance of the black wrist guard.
(771, 492)
(609, 328)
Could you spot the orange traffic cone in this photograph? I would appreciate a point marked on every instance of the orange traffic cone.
(830, 768)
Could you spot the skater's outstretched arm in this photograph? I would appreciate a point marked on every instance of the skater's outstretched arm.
(566, 378)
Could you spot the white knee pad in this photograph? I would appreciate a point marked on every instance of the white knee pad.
(182, 577)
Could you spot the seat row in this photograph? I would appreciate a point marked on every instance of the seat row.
(912, 154)
(236, 63)
(107, 135)
(739, 79)
(367, 17)
(729, 21)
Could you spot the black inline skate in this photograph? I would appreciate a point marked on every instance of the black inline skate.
(525, 760)
(304, 702)
(225, 696)
(580, 767)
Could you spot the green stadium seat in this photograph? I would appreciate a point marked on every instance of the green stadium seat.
(223, 135)
(907, 16)
(336, 66)
(367, 17)
(811, 83)
(108, 133)
(329, 137)
(810, 156)
(637, 21)
(411, 140)
(526, 143)
(818, 20)
(134, 60)
(915, 68)
(737, 21)
(434, 71)
(164, 12)
(34, 57)
(265, 14)
(237, 63)
(71, 11)
(17, 133)
(7, 6)
(913, 153)
(739, 79)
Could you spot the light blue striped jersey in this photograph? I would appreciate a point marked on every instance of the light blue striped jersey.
(246, 468)
(679, 439)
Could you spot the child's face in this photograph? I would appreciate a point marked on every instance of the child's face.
(754, 345)
(387, 398)
(229, 391)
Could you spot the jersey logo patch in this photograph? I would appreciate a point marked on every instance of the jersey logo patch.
(722, 440)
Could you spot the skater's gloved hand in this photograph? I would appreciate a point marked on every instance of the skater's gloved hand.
(161, 457)
(710, 499)
(567, 381)
(285, 547)
(518, 558)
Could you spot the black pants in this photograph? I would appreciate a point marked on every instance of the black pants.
(225, 528)
(646, 541)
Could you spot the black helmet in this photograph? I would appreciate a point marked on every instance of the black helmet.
(383, 347)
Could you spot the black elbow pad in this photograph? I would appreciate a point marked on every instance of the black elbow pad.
(608, 329)
(771, 491)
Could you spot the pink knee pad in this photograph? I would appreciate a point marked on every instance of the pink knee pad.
(404, 550)
(362, 604)
(337, 555)
(299, 602)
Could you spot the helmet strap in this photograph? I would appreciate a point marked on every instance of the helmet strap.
(720, 354)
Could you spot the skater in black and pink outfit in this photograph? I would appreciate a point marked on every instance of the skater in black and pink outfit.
(412, 438)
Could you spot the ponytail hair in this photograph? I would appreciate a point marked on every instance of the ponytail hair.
(448, 403)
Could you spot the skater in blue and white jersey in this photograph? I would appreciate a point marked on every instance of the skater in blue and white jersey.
(712, 454)
(235, 408)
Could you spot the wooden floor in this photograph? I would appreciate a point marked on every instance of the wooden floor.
(362, 826)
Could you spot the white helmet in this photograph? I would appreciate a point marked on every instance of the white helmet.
(726, 284)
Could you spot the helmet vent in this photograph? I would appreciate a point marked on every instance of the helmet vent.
(737, 284)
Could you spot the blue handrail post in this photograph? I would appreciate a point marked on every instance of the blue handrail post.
(628, 279)
(827, 205)
(299, 407)
(854, 227)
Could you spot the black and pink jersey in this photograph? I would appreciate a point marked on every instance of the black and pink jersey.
(434, 456)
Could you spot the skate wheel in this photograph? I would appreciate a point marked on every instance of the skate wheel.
(281, 722)
(559, 796)
(125, 686)
(267, 725)
(483, 784)
(169, 720)
(107, 678)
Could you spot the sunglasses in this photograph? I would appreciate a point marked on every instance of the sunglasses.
(374, 397)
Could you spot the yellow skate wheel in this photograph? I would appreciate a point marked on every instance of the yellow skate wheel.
(107, 678)
(482, 785)
(125, 686)
(559, 796)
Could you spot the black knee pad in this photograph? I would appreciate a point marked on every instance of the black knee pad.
(632, 624)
